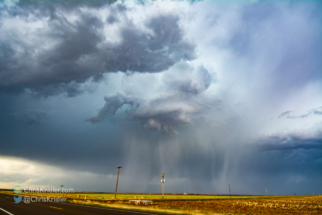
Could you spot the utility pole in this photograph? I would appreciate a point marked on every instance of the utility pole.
(229, 190)
(284, 192)
(266, 191)
(294, 193)
(117, 180)
(162, 181)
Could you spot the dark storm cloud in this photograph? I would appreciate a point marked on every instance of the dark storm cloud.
(176, 107)
(111, 19)
(281, 162)
(290, 142)
(281, 168)
(43, 7)
(30, 117)
(65, 4)
(76, 51)
(314, 111)
(113, 103)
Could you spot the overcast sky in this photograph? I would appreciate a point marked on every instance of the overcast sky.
(211, 93)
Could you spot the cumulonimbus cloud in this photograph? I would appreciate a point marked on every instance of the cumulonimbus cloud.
(174, 106)
(53, 48)
(290, 142)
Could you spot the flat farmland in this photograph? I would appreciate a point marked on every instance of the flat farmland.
(251, 205)
(287, 205)
(125, 196)
(200, 204)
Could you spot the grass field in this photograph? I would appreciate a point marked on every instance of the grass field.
(202, 204)
(155, 197)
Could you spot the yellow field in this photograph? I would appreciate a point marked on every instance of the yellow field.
(201, 204)
(158, 197)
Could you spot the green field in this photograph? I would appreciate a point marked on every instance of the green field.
(154, 197)
(122, 196)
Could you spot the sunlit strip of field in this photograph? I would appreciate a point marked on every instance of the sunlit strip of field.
(155, 197)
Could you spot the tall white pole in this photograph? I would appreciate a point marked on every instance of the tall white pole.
(162, 181)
